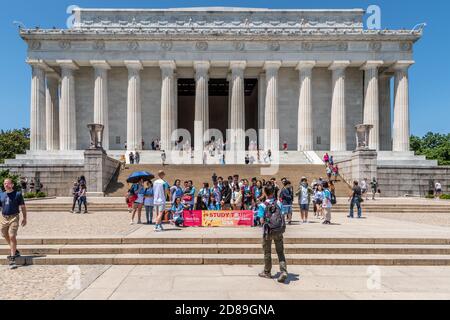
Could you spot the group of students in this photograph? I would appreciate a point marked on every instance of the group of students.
(230, 194)
(332, 168)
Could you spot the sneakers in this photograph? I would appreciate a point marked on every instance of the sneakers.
(282, 278)
(17, 255)
(158, 228)
(131, 222)
(12, 263)
(265, 275)
(351, 217)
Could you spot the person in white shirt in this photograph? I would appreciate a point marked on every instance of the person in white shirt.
(160, 193)
(363, 186)
(438, 189)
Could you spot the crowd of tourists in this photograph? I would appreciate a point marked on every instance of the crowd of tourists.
(159, 199)
(34, 185)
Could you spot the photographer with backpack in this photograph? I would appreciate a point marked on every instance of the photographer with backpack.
(274, 225)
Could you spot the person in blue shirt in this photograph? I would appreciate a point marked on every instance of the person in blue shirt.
(216, 191)
(138, 190)
(287, 197)
(213, 204)
(177, 213)
(269, 191)
(148, 201)
(176, 191)
(192, 194)
(12, 203)
(204, 193)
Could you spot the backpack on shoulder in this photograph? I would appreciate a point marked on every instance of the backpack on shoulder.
(275, 220)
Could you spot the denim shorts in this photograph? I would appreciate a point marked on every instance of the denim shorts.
(287, 209)
(304, 207)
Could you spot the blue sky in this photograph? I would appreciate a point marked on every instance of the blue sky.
(429, 78)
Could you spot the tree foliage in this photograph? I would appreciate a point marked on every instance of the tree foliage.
(13, 142)
(434, 146)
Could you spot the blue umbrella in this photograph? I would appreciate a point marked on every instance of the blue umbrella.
(140, 175)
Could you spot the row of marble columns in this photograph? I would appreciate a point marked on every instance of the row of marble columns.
(53, 118)
(377, 101)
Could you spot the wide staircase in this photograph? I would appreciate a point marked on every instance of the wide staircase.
(230, 251)
(203, 173)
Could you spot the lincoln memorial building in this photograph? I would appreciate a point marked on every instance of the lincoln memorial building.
(307, 77)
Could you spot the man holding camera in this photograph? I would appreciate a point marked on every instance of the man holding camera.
(274, 225)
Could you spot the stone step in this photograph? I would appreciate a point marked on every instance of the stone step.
(225, 240)
(39, 207)
(200, 174)
(242, 259)
(226, 249)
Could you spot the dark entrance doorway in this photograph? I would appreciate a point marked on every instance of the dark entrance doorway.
(218, 105)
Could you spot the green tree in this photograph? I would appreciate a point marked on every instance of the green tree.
(434, 146)
(13, 142)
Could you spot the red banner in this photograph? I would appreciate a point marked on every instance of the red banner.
(192, 218)
(230, 218)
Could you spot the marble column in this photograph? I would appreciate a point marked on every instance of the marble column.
(371, 102)
(134, 114)
(384, 82)
(237, 113)
(201, 123)
(230, 86)
(305, 140)
(101, 98)
(37, 113)
(401, 132)
(175, 97)
(261, 108)
(338, 140)
(52, 111)
(67, 115)
(167, 103)
(271, 125)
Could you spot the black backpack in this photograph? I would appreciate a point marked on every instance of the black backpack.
(275, 221)
(333, 199)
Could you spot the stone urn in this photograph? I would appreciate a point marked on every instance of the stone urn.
(96, 133)
(362, 136)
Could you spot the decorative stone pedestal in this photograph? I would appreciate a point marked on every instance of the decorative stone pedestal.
(364, 164)
(98, 170)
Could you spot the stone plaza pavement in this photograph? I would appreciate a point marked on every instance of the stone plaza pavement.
(241, 282)
(227, 281)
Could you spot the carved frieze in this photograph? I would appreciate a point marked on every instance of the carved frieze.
(64, 44)
(274, 46)
(239, 46)
(405, 46)
(99, 45)
(35, 45)
(375, 46)
(166, 45)
(133, 45)
(201, 45)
